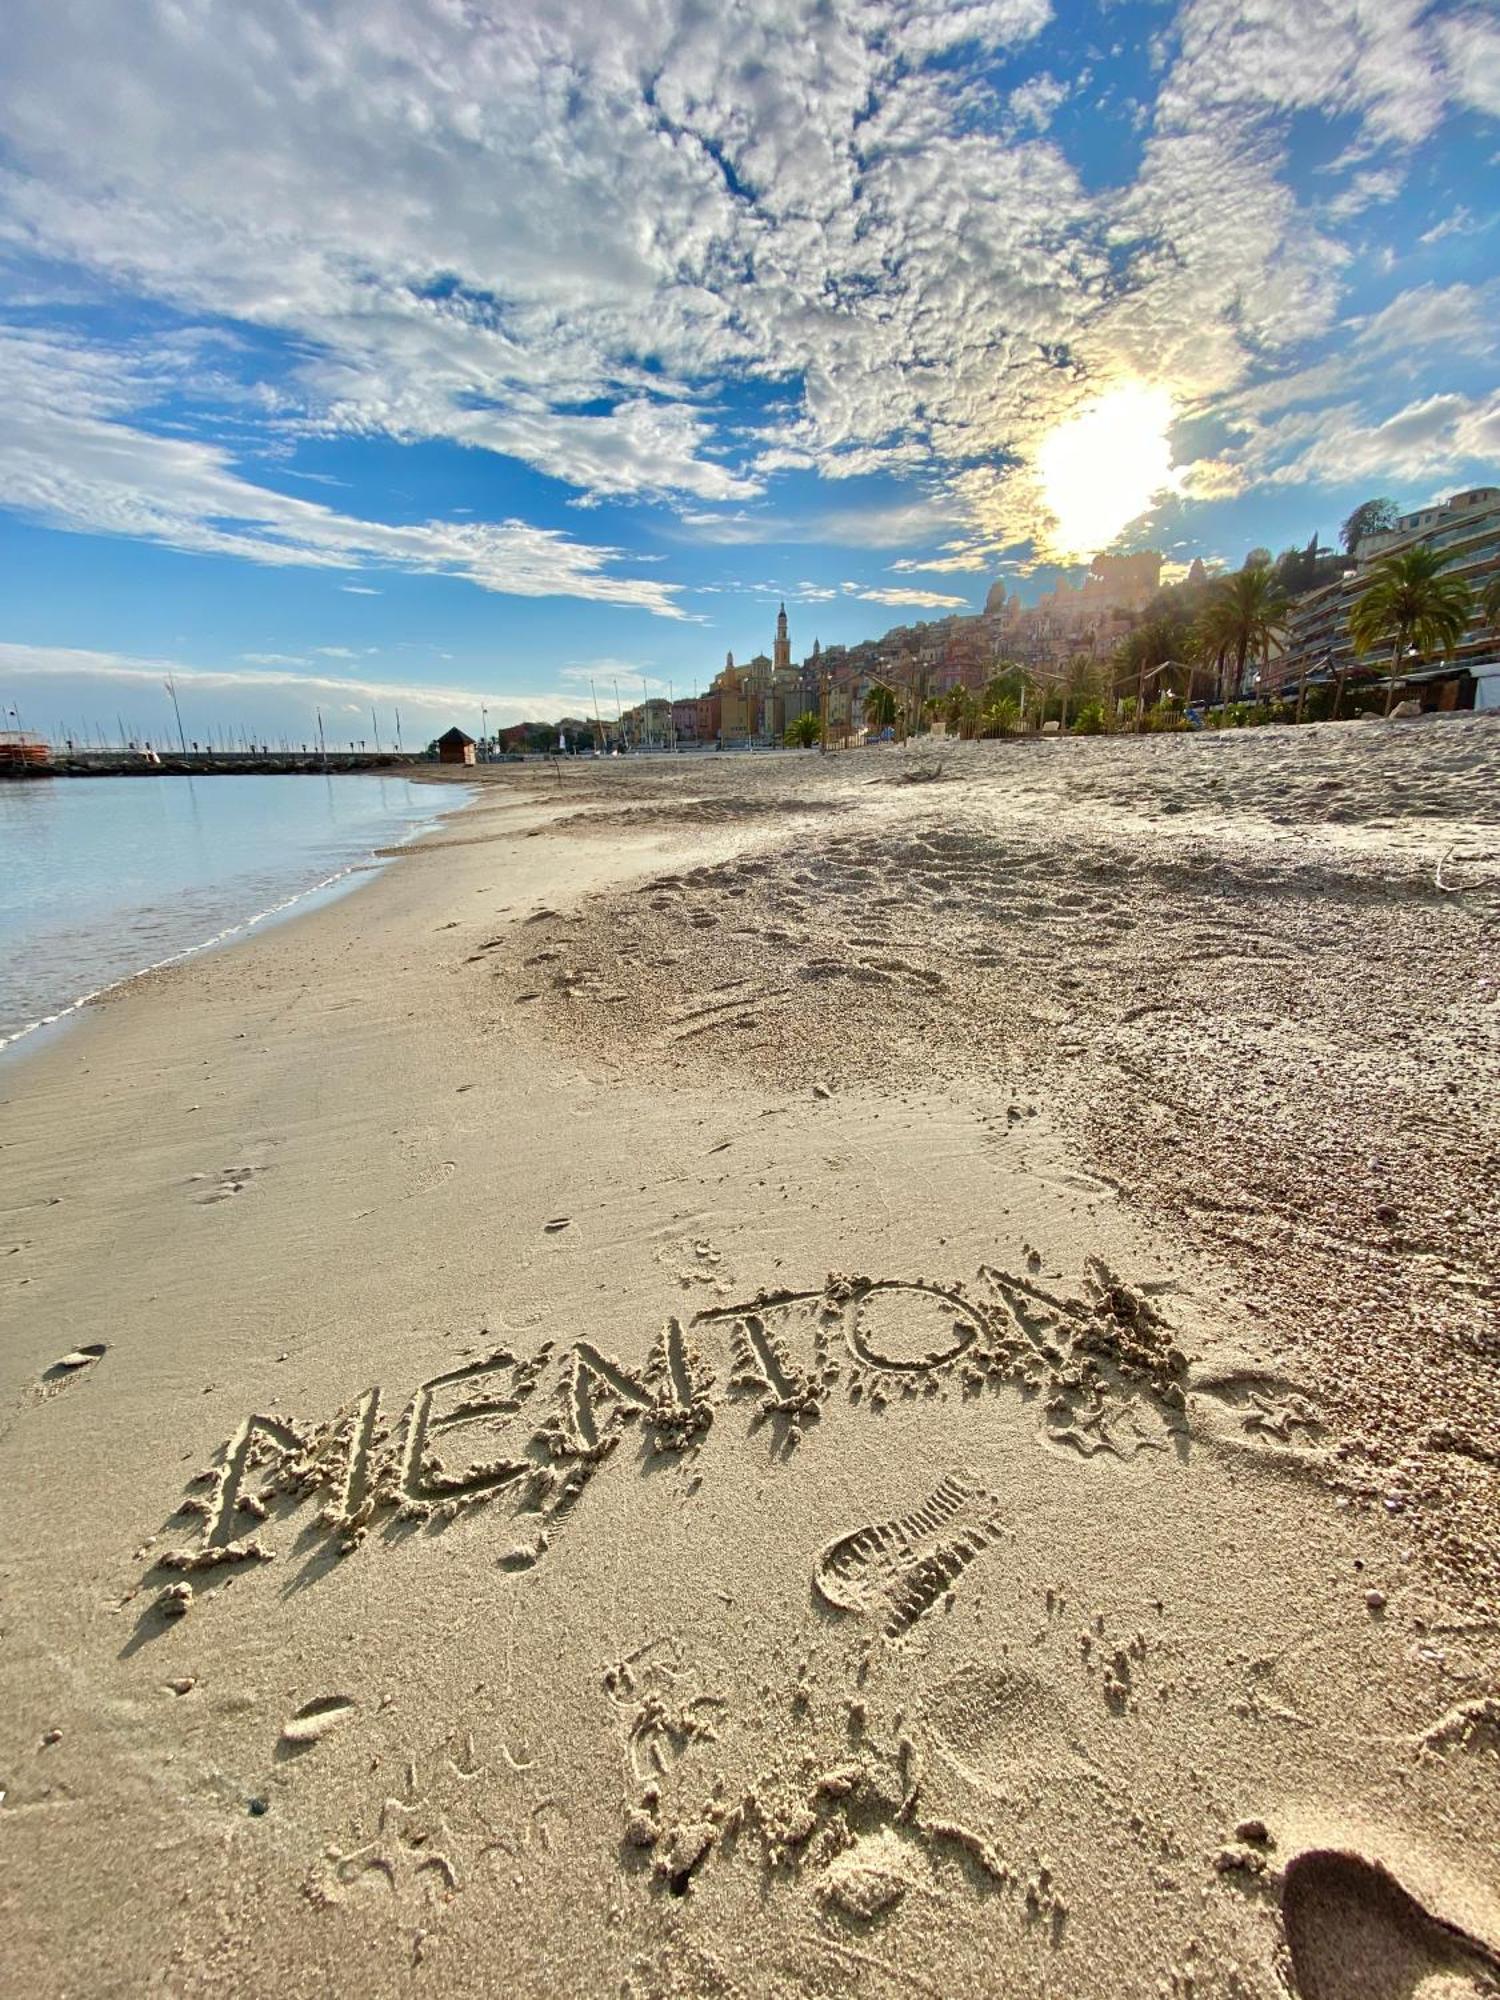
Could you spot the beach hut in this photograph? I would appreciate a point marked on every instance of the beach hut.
(455, 748)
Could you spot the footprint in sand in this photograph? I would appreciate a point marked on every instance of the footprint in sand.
(900, 1568)
(1011, 1735)
(68, 1367)
(1258, 1415)
(1355, 1934)
(232, 1181)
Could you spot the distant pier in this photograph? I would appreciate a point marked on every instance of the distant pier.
(114, 763)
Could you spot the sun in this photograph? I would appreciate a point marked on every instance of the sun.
(1103, 467)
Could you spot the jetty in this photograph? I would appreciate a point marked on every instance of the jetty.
(33, 758)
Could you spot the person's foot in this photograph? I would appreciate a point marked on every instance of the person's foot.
(1355, 1934)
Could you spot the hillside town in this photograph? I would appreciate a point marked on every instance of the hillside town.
(1281, 638)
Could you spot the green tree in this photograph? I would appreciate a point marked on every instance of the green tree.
(1243, 615)
(1140, 658)
(1001, 715)
(1297, 569)
(959, 710)
(880, 707)
(1009, 682)
(1210, 642)
(1409, 599)
(1007, 696)
(804, 731)
(1370, 517)
(1489, 602)
(1092, 719)
(1081, 683)
(1002, 702)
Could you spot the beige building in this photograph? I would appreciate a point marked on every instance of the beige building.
(1466, 528)
(759, 700)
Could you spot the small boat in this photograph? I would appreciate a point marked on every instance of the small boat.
(23, 755)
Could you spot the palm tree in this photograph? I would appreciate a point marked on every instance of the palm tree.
(1244, 613)
(880, 707)
(1080, 684)
(1409, 600)
(1149, 648)
(1489, 602)
(1002, 706)
(959, 709)
(1210, 643)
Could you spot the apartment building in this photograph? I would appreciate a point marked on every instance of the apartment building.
(1466, 528)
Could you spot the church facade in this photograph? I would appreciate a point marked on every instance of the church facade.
(761, 699)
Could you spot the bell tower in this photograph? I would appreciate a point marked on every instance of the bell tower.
(781, 653)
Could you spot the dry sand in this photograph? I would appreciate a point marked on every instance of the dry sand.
(782, 1377)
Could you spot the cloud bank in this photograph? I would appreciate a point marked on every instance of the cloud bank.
(501, 229)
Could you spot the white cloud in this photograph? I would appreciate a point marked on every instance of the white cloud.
(506, 229)
(931, 600)
(1335, 419)
(1399, 337)
(1034, 102)
(20, 662)
(1471, 48)
(69, 459)
(1381, 63)
(1378, 184)
(889, 526)
(604, 679)
(1445, 434)
(1461, 221)
(954, 559)
(1459, 315)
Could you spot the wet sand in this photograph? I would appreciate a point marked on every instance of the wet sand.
(783, 1376)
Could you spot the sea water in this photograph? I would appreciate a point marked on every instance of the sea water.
(101, 878)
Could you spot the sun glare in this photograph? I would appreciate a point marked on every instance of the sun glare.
(1104, 466)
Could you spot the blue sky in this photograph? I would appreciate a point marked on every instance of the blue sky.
(397, 353)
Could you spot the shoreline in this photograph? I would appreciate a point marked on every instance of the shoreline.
(302, 901)
(711, 1480)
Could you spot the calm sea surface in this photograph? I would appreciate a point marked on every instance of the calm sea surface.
(102, 877)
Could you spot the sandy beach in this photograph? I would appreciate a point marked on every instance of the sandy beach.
(786, 1376)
